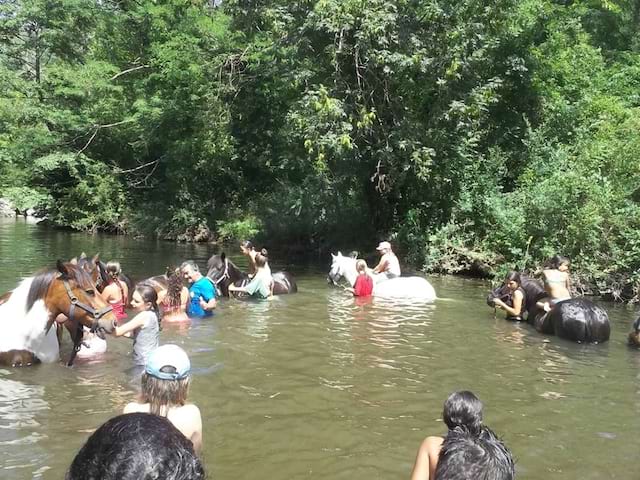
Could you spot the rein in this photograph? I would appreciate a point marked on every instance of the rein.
(78, 333)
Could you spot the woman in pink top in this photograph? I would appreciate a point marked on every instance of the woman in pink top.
(117, 292)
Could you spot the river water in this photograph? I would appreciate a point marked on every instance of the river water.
(319, 385)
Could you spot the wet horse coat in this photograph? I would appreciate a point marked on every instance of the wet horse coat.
(29, 312)
(576, 319)
(416, 288)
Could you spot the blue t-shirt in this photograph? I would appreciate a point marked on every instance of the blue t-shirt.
(203, 288)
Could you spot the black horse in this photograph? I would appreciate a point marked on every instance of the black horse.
(576, 319)
(223, 272)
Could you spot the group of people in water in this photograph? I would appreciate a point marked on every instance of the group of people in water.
(556, 281)
(160, 432)
(160, 436)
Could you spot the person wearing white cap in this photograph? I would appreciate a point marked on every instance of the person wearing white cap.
(388, 267)
(165, 385)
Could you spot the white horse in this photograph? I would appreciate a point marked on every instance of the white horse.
(401, 287)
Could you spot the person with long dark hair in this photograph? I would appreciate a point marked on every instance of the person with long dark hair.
(461, 409)
(144, 328)
(514, 302)
(174, 299)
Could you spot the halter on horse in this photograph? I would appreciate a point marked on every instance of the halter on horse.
(67, 290)
(223, 272)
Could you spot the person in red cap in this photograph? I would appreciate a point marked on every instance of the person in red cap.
(388, 266)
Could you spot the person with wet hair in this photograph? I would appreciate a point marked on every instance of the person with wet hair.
(165, 386)
(144, 328)
(461, 409)
(116, 292)
(261, 286)
(173, 300)
(467, 455)
(514, 302)
(247, 249)
(136, 446)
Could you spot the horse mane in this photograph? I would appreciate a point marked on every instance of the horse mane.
(42, 282)
(216, 262)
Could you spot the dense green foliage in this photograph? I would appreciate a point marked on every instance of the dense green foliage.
(475, 135)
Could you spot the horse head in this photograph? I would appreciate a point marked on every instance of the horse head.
(95, 268)
(341, 266)
(223, 272)
(71, 291)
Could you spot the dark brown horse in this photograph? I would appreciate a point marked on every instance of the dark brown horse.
(26, 317)
(223, 272)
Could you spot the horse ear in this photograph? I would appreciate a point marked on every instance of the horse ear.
(339, 253)
(62, 268)
(354, 254)
(332, 255)
(96, 258)
(73, 261)
(83, 255)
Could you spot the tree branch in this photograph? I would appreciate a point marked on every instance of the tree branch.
(128, 70)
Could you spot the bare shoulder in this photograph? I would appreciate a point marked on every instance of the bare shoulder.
(432, 444)
(134, 407)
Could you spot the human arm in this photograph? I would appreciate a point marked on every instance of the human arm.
(208, 305)
(427, 459)
(382, 265)
(514, 311)
(136, 322)
(206, 294)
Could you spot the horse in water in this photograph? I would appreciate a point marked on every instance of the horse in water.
(27, 315)
(98, 271)
(576, 319)
(223, 272)
(400, 287)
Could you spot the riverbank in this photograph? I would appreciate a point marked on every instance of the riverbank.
(611, 287)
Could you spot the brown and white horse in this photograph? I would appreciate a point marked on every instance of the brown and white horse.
(27, 315)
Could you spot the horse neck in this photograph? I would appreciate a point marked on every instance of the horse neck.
(350, 272)
(235, 274)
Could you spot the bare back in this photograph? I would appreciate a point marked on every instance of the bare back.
(116, 291)
(557, 283)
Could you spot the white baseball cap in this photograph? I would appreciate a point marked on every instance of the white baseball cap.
(168, 356)
(384, 246)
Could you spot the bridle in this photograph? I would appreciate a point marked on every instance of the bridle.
(78, 332)
(224, 276)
